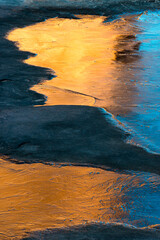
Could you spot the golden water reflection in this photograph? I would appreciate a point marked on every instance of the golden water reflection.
(89, 58)
(38, 196)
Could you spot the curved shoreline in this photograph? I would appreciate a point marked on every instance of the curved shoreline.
(18, 96)
(101, 231)
(77, 134)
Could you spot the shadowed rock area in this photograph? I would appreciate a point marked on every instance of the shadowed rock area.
(75, 134)
(100, 232)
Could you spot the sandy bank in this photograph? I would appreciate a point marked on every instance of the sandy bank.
(94, 231)
(76, 134)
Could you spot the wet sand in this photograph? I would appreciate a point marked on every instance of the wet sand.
(76, 134)
(96, 231)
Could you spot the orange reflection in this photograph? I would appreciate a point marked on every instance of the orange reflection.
(85, 54)
(38, 196)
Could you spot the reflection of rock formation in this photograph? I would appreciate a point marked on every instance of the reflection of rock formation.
(127, 62)
(88, 58)
(127, 49)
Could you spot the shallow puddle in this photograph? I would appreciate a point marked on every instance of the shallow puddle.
(82, 53)
(35, 197)
(113, 65)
